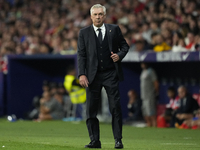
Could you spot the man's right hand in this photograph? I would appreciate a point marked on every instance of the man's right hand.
(83, 81)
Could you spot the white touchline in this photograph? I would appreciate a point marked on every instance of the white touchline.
(178, 143)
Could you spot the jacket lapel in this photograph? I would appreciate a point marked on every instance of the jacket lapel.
(108, 32)
(92, 41)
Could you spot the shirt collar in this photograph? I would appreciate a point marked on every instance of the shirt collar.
(95, 28)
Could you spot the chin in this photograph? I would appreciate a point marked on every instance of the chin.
(98, 24)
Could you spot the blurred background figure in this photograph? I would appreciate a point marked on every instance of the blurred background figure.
(178, 43)
(164, 120)
(140, 46)
(134, 107)
(187, 107)
(190, 40)
(57, 91)
(149, 88)
(33, 114)
(193, 122)
(53, 87)
(161, 45)
(172, 106)
(45, 86)
(51, 108)
(76, 92)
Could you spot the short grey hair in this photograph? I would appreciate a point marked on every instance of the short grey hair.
(98, 6)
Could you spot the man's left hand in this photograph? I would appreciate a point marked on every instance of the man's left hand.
(114, 57)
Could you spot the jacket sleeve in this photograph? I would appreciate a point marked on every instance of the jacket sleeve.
(191, 105)
(81, 55)
(123, 46)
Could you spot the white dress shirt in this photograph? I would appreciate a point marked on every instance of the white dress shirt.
(103, 30)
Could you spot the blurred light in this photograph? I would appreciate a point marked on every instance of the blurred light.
(9, 118)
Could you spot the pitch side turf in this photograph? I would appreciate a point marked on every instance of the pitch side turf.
(58, 135)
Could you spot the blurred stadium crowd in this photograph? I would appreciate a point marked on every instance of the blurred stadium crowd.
(51, 26)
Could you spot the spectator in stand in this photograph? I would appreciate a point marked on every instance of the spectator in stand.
(134, 107)
(149, 89)
(193, 25)
(152, 44)
(43, 49)
(190, 40)
(33, 49)
(73, 44)
(178, 42)
(138, 6)
(180, 47)
(175, 38)
(146, 32)
(160, 44)
(154, 27)
(167, 36)
(139, 46)
(130, 43)
(19, 50)
(187, 106)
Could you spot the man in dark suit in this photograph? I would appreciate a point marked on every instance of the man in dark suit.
(101, 47)
(187, 106)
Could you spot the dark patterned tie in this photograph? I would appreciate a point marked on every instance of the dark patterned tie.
(100, 35)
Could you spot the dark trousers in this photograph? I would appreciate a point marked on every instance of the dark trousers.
(109, 80)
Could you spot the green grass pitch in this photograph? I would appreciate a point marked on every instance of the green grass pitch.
(58, 135)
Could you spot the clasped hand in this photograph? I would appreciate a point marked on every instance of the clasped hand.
(114, 57)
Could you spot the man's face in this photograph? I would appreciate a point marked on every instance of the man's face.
(170, 94)
(190, 37)
(98, 17)
(181, 92)
(139, 47)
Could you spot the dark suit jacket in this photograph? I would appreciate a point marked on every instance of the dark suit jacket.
(189, 106)
(87, 50)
